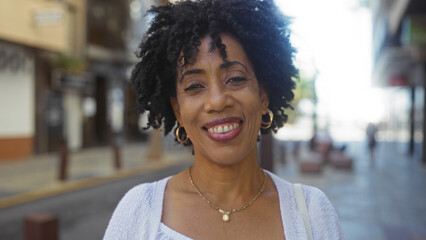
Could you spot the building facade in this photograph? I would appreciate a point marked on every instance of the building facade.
(32, 33)
(399, 55)
(64, 74)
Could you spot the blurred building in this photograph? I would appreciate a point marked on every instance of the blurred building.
(108, 63)
(399, 53)
(64, 69)
(32, 32)
(115, 30)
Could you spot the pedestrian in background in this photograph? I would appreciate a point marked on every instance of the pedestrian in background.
(219, 72)
(371, 137)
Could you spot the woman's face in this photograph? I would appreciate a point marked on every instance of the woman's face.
(220, 103)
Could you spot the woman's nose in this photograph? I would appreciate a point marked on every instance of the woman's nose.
(217, 99)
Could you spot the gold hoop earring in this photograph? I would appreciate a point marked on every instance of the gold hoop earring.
(266, 125)
(178, 135)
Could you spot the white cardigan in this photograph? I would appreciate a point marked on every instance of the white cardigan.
(138, 215)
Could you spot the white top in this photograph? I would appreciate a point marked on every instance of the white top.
(138, 215)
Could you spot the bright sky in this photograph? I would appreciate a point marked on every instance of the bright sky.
(335, 35)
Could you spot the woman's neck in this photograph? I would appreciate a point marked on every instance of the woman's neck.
(228, 186)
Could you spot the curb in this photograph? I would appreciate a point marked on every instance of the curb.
(75, 185)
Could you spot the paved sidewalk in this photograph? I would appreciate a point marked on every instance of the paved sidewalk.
(37, 177)
(380, 199)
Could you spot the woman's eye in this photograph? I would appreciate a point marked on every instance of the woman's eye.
(237, 80)
(193, 87)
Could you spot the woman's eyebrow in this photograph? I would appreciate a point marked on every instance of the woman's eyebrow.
(224, 65)
(231, 63)
(189, 72)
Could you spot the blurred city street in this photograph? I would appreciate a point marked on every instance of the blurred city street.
(84, 203)
(42, 172)
(381, 199)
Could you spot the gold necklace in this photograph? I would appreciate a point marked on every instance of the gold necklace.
(225, 214)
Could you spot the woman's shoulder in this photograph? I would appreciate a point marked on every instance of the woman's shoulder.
(314, 197)
(143, 196)
(145, 191)
(323, 218)
(324, 221)
(316, 200)
(131, 212)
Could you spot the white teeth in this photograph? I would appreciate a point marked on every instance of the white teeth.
(220, 129)
(224, 129)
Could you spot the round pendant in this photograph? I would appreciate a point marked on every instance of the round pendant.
(225, 217)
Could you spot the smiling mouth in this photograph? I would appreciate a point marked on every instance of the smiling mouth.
(223, 128)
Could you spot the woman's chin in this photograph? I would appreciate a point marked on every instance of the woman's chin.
(226, 155)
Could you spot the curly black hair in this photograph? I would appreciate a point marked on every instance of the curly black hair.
(172, 42)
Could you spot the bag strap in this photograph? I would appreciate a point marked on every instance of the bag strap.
(301, 206)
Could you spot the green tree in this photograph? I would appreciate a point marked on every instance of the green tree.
(305, 89)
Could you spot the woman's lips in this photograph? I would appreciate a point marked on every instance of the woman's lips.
(222, 130)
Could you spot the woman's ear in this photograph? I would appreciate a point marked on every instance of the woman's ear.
(175, 106)
(264, 99)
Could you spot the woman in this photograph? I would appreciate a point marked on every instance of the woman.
(219, 71)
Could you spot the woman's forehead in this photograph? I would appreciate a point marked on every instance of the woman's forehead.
(234, 50)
